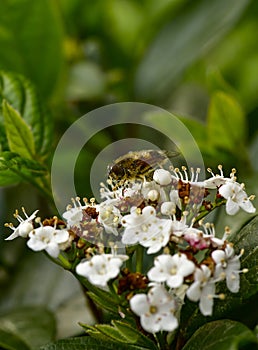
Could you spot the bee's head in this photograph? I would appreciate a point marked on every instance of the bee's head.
(116, 171)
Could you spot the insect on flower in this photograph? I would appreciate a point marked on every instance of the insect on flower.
(137, 165)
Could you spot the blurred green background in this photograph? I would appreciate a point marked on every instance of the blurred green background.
(197, 59)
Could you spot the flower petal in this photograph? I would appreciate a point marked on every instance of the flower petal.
(139, 304)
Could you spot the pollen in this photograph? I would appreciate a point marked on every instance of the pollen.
(153, 309)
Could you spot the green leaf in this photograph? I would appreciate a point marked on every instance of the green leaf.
(86, 82)
(104, 303)
(83, 343)
(9, 341)
(216, 82)
(19, 135)
(23, 97)
(7, 178)
(120, 332)
(35, 326)
(181, 42)
(35, 48)
(133, 336)
(124, 20)
(106, 296)
(240, 306)
(14, 168)
(226, 125)
(222, 335)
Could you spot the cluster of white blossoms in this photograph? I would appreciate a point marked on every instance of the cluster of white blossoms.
(161, 220)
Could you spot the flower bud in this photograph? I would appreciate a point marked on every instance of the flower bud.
(162, 177)
(167, 208)
(153, 195)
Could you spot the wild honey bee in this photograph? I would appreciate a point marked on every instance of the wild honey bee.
(137, 165)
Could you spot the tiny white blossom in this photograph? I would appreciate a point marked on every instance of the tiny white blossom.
(196, 238)
(162, 177)
(179, 226)
(109, 217)
(159, 236)
(25, 225)
(142, 226)
(101, 268)
(227, 266)
(156, 310)
(47, 238)
(202, 289)
(73, 215)
(236, 198)
(171, 269)
(217, 179)
(191, 177)
(136, 223)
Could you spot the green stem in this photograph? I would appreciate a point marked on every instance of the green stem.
(139, 258)
(206, 212)
(157, 341)
(61, 261)
(128, 262)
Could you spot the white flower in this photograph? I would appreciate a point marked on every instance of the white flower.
(227, 266)
(184, 176)
(171, 269)
(209, 230)
(142, 226)
(24, 227)
(156, 310)
(236, 198)
(196, 238)
(218, 179)
(202, 289)
(73, 215)
(109, 217)
(179, 226)
(101, 268)
(47, 238)
(159, 236)
(162, 177)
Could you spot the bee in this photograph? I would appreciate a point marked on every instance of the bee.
(137, 165)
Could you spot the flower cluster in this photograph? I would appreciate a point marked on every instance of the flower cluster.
(159, 221)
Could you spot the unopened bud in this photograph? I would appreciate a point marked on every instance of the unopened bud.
(153, 195)
(162, 177)
(167, 208)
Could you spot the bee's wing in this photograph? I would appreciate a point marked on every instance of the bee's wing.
(172, 154)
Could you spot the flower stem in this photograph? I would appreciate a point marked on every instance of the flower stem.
(206, 212)
(139, 258)
(61, 261)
